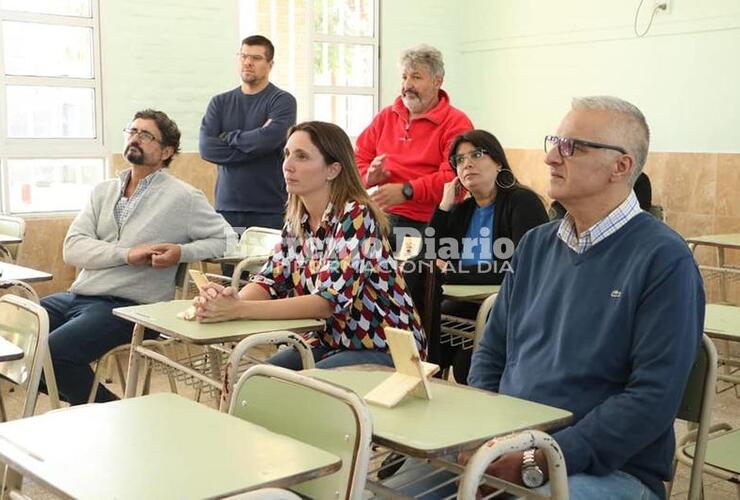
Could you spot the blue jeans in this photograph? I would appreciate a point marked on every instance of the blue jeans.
(82, 329)
(615, 486)
(331, 358)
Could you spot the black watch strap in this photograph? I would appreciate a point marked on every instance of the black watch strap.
(408, 190)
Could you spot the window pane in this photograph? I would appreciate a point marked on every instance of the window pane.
(80, 8)
(50, 112)
(351, 112)
(52, 185)
(343, 65)
(344, 17)
(28, 51)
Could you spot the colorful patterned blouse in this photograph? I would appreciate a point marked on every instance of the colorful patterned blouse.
(346, 262)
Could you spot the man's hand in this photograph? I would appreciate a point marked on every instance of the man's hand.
(507, 467)
(140, 255)
(375, 171)
(165, 255)
(388, 195)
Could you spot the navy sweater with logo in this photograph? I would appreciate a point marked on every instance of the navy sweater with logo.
(610, 335)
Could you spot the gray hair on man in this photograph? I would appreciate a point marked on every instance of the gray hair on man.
(423, 54)
(635, 129)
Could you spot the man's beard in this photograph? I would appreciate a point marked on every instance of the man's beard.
(134, 155)
(412, 101)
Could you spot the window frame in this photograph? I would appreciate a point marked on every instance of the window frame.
(52, 148)
(374, 41)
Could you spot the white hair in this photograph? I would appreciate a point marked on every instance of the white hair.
(635, 130)
(423, 54)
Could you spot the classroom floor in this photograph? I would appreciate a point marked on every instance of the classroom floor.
(726, 409)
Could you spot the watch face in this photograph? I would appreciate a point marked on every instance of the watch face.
(407, 191)
(532, 477)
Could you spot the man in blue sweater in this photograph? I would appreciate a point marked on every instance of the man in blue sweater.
(602, 315)
(244, 132)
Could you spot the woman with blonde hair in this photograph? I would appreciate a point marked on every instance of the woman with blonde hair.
(334, 260)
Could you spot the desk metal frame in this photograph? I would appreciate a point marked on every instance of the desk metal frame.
(722, 322)
(416, 428)
(110, 451)
(162, 318)
(720, 242)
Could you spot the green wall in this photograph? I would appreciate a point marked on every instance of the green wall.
(406, 23)
(512, 65)
(168, 55)
(524, 59)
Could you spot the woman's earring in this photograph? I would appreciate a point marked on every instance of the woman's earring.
(511, 184)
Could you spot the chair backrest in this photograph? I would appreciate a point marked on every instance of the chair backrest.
(6, 256)
(26, 325)
(481, 318)
(182, 281)
(259, 241)
(266, 494)
(315, 412)
(657, 212)
(696, 407)
(410, 248)
(12, 226)
(19, 288)
(255, 245)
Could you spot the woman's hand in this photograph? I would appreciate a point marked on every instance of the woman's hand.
(450, 193)
(216, 303)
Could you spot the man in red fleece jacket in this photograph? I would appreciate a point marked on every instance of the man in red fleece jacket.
(404, 150)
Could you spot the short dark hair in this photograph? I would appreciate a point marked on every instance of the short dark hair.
(262, 41)
(486, 140)
(167, 127)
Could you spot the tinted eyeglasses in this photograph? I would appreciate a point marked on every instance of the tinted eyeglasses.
(567, 145)
(457, 161)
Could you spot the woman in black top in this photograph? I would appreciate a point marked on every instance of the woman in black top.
(498, 208)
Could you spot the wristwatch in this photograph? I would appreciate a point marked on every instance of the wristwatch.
(408, 190)
(532, 475)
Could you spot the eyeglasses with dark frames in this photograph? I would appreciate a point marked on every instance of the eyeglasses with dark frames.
(143, 135)
(457, 161)
(567, 145)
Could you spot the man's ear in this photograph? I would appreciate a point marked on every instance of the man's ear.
(167, 153)
(623, 167)
(438, 80)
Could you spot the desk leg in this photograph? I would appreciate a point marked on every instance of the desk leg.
(11, 481)
(132, 378)
(214, 365)
(430, 315)
(722, 280)
(51, 382)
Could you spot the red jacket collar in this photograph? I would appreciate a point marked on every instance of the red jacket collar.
(436, 115)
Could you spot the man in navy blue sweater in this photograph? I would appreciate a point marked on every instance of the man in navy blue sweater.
(244, 132)
(602, 315)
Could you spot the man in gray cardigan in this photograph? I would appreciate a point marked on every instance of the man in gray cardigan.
(128, 242)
